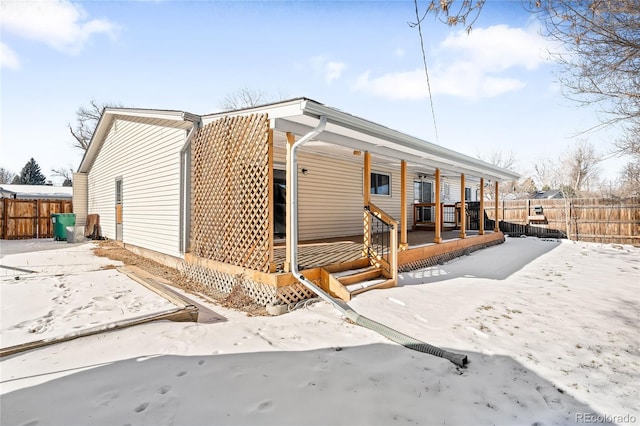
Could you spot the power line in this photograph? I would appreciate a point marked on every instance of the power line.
(426, 71)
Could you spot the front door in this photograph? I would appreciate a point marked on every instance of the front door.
(279, 204)
(119, 209)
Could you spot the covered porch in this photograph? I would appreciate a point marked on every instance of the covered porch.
(326, 199)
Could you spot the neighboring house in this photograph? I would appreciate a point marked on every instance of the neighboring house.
(547, 195)
(209, 193)
(36, 192)
(25, 210)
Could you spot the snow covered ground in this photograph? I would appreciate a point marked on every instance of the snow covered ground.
(551, 329)
(63, 290)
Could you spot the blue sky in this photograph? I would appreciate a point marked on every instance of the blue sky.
(493, 89)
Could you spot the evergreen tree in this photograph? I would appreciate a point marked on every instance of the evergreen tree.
(31, 174)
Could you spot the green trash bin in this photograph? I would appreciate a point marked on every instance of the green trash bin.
(60, 222)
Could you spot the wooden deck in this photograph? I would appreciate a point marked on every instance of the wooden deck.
(317, 253)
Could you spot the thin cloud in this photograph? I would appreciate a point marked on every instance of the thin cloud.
(468, 66)
(395, 86)
(330, 70)
(334, 70)
(63, 25)
(8, 58)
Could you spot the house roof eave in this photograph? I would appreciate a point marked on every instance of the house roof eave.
(423, 151)
(107, 117)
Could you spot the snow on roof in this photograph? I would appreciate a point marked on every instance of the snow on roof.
(37, 191)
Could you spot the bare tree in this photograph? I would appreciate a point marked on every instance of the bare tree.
(497, 157)
(244, 97)
(505, 160)
(66, 173)
(580, 166)
(454, 13)
(602, 57)
(547, 173)
(6, 176)
(601, 47)
(87, 118)
(630, 180)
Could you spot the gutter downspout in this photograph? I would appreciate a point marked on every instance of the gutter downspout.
(346, 310)
(293, 248)
(185, 182)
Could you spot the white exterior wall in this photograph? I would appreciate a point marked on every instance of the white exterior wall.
(330, 197)
(147, 158)
(80, 202)
(454, 189)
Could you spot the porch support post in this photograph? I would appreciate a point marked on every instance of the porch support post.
(481, 212)
(366, 185)
(463, 210)
(496, 226)
(404, 245)
(272, 265)
(291, 138)
(438, 228)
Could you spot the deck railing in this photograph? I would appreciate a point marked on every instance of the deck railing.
(381, 240)
(424, 215)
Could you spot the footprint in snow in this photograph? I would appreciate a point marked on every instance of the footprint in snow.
(478, 333)
(418, 317)
(140, 408)
(164, 389)
(180, 374)
(265, 405)
(399, 302)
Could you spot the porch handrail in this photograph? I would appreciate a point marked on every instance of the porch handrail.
(447, 212)
(381, 240)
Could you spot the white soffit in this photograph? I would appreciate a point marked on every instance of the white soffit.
(347, 137)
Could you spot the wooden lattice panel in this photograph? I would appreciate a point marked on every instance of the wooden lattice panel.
(222, 282)
(230, 192)
(294, 293)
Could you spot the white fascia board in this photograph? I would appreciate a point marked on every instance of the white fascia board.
(398, 138)
(150, 113)
(106, 119)
(279, 110)
(94, 146)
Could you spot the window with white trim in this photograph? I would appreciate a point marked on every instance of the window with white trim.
(380, 183)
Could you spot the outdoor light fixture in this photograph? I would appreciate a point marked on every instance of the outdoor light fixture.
(304, 171)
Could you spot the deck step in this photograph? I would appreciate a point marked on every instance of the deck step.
(344, 283)
(370, 285)
(360, 276)
(361, 285)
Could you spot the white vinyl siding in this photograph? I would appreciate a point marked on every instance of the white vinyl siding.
(146, 156)
(454, 189)
(80, 194)
(330, 197)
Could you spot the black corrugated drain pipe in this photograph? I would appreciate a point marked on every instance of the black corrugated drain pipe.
(391, 334)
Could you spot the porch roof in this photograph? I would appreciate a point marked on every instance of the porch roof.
(299, 116)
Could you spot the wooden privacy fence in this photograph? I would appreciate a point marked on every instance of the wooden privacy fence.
(586, 219)
(20, 219)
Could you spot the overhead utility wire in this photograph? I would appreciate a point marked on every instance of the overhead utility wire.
(426, 71)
